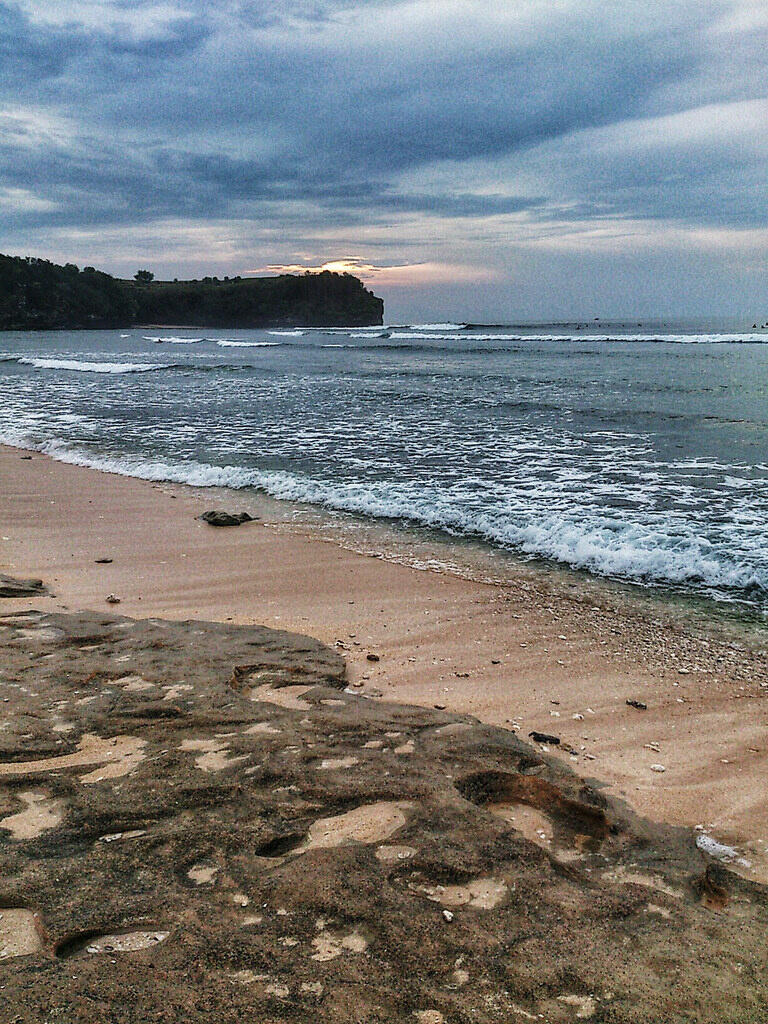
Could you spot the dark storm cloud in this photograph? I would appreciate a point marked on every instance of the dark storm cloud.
(30, 55)
(331, 112)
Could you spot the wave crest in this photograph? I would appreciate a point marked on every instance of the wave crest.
(81, 366)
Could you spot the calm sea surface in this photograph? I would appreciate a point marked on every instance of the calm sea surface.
(634, 451)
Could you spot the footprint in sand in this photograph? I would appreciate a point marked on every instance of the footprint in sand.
(40, 815)
(134, 684)
(118, 756)
(126, 942)
(202, 874)
(372, 823)
(19, 933)
(328, 946)
(483, 893)
(213, 754)
(394, 854)
(338, 762)
(284, 697)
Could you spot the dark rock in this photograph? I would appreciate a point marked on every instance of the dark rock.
(637, 704)
(103, 561)
(11, 587)
(543, 737)
(373, 657)
(217, 518)
(231, 846)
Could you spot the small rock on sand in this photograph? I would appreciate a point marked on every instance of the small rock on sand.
(217, 518)
(543, 737)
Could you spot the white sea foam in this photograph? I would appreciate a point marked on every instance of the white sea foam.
(609, 546)
(86, 367)
(226, 343)
(671, 339)
(296, 333)
(174, 340)
(437, 327)
(343, 330)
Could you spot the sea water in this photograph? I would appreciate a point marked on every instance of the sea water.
(635, 451)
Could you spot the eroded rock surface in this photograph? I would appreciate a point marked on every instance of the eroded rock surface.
(201, 816)
(12, 587)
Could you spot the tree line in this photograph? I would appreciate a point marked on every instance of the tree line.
(36, 294)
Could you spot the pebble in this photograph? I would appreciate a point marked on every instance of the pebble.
(543, 737)
(112, 599)
(448, 916)
(658, 768)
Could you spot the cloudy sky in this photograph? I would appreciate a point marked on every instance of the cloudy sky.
(522, 158)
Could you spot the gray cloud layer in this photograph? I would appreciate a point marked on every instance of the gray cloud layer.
(328, 116)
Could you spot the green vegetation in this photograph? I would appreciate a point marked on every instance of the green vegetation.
(38, 295)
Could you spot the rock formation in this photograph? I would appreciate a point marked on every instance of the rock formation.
(198, 822)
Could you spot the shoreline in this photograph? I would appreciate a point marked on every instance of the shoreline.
(531, 652)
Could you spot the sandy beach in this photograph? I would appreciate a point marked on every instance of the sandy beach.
(543, 651)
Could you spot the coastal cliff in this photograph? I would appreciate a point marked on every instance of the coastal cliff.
(39, 295)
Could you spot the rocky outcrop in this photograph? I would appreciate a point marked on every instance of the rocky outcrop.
(198, 822)
(11, 587)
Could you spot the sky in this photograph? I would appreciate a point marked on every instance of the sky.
(521, 159)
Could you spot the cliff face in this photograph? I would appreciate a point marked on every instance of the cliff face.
(312, 300)
(38, 295)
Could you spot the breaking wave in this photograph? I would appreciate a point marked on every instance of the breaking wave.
(658, 555)
(669, 339)
(86, 367)
(174, 341)
(226, 343)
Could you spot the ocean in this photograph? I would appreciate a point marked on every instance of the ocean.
(634, 451)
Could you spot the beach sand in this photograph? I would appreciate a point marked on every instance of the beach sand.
(545, 650)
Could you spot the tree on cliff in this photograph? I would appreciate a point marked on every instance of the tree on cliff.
(38, 295)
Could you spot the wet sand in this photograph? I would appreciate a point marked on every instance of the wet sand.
(540, 652)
